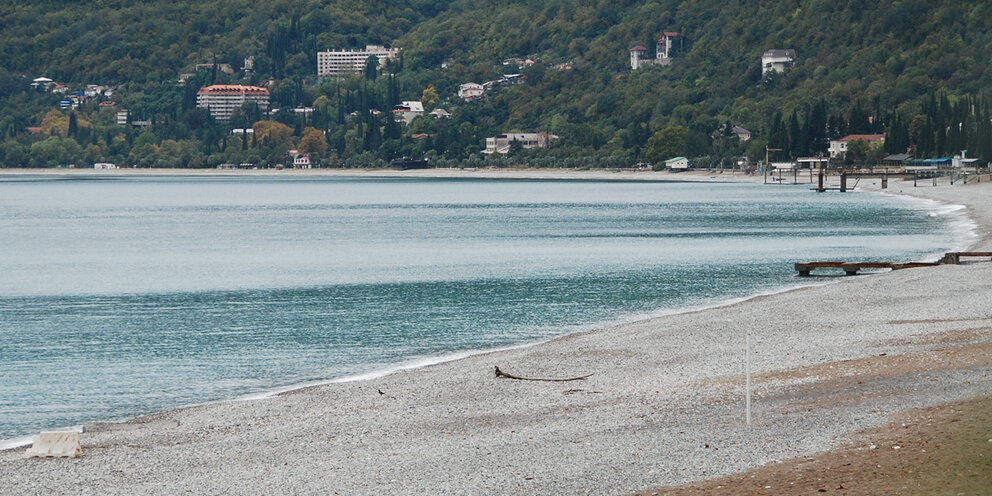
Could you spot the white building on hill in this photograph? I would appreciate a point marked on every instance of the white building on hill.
(470, 91)
(777, 60)
(406, 112)
(223, 99)
(339, 63)
(663, 52)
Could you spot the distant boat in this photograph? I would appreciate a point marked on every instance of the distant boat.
(406, 163)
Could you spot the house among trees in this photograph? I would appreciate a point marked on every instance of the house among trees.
(777, 60)
(838, 147)
(501, 143)
(43, 83)
(408, 111)
(663, 51)
(470, 91)
(741, 133)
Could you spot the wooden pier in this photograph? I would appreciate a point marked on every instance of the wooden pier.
(852, 268)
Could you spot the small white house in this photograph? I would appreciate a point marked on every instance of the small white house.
(677, 163)
(301, 161)
(776, 60)
(470, 91)
(408, 111)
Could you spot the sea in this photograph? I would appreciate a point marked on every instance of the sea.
(127, 295)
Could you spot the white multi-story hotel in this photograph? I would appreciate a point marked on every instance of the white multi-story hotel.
(222, 99)
(338, 63)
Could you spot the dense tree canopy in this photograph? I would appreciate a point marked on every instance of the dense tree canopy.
(915, 69)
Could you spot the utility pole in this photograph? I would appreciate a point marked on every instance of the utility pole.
(766, 160)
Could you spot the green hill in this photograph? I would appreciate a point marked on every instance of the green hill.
(917, 70)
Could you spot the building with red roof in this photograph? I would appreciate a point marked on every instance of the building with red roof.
(663, 53)
(223, 99)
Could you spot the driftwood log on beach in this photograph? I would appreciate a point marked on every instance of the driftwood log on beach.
(500, 373)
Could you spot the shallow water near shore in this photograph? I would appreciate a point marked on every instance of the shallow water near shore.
(131, 295)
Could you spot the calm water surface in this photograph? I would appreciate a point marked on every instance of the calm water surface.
(122, 296)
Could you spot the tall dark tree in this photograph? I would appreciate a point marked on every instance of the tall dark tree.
(371, 67)
(73, 125)
(798, 141)
(816, 125)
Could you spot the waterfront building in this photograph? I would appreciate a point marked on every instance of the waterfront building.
(501, 143)
(838, 147)
(677, 163)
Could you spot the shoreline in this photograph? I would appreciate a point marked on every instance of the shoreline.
(433, 173)
(19, 442)
(539, 401)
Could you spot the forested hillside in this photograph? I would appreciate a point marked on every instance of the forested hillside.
(917, 70)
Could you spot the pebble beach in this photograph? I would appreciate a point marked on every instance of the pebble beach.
(663, 403)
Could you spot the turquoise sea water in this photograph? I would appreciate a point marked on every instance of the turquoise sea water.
(122, 296)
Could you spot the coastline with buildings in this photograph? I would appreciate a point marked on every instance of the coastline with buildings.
(275, 136)
(649, 415)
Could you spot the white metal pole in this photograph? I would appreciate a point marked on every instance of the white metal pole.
(747, 373)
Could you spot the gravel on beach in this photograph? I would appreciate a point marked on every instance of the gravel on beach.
(664, 404)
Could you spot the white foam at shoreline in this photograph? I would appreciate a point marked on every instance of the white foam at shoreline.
(964, 233)
(417, 363)
(964, 229)
(965, 236)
